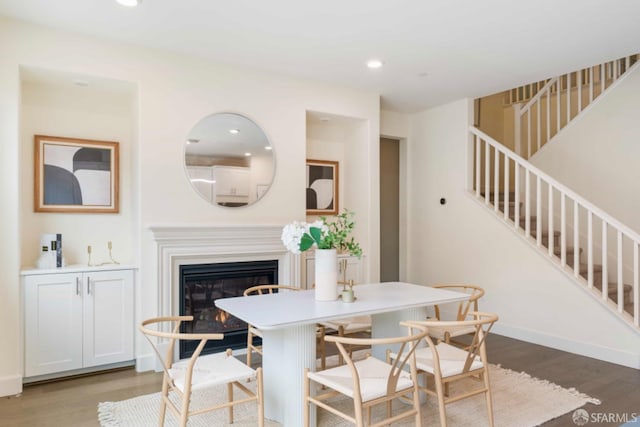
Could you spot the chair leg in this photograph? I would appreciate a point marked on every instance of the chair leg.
(441, 407)
(163, 403)
(306, 387)
(417, 406)
(320, 346)
(341, 334)
(249, 345)
(230, 397)
(260, 397)
(487, 394)
(184, 412)
(359, 416)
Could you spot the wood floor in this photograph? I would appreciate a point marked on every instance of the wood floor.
(73, 402)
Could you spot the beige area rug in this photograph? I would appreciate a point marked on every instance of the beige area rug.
(519, 401)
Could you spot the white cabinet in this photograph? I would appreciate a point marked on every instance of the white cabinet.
(231, 181)
(232, 185)
(224, 185)
(353, 267)
(77, 319)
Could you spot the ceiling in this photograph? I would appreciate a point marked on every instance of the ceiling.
(435, 51)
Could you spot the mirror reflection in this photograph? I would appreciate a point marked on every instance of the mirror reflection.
(229, 160)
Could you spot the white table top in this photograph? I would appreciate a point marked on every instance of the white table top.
(274, 311)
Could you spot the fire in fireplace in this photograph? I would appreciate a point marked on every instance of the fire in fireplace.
(202, 284)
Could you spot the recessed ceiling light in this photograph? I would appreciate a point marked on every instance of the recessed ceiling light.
(234, 131)
(247, 154)
(129, 3)
(375, 63)
(268, 147)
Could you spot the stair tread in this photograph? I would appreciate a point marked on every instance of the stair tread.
(512, 195)
(570, 249)
(612, 288)
(584, 268)
(545, 233)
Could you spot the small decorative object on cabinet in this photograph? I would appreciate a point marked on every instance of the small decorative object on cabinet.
(328, 238)
(77, 319)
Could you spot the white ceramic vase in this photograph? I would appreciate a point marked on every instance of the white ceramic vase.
(326, 275)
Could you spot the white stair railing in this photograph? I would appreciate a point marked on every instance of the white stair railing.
(532, 203)
(560, 100)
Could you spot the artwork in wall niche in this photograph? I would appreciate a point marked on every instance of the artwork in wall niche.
(75, 175)
(322, 187)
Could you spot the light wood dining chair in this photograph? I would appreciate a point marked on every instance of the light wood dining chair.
(252, 331)
(462, 309)
(185, 377)
(348, 326)
(444, 363)
(369, 382)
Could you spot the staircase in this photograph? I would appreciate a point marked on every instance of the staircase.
(588, 245)
(584, 242)
(544, 108)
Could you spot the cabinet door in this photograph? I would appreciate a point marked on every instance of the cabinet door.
(108, 317)
(53, 323)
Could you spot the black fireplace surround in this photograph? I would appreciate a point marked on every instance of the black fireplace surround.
(202, 284)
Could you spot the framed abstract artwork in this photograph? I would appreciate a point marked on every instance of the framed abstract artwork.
(322, 187)
(75, 175)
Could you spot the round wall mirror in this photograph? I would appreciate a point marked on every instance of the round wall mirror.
(229, 160)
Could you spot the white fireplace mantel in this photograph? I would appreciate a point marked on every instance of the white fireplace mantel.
(200, 244)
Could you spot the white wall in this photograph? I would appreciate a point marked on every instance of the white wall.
(597, 155)
(462, 242)
(174, 92)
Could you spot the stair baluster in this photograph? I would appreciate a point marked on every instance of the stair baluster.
(534, 214)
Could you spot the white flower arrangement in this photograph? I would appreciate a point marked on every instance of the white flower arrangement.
(301, 236)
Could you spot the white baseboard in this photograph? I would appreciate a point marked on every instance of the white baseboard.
(617, 356)
(11, 385)
(146, 363)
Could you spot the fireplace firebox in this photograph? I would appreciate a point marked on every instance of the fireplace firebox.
(202, 284)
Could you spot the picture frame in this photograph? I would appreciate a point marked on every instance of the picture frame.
(75, 175)
(323, 179)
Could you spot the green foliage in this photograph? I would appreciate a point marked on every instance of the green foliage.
(337, 235)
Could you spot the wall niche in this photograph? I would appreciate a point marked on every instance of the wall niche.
(59, 103)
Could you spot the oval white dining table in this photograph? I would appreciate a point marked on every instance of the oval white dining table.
(288, 322)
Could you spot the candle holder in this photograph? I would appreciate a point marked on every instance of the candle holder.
(111, 260)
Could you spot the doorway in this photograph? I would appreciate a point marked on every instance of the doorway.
(389, 210)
